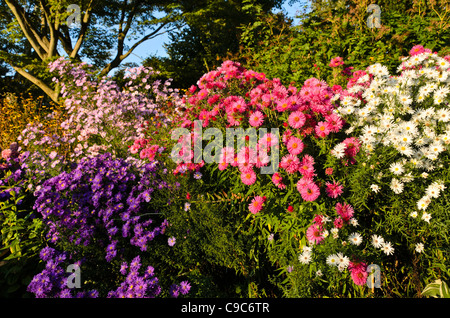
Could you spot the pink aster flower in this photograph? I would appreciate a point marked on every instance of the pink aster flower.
(306, 168)
(338, 222)
(334, 189)
(227, 155)
(303, 182)
(278, 181)
(335, 123)
(297, 119)
(283, 105)
(245, 166)
(239, 105)
(256, 119)
(290, 163)
(268, 140)
(418, 49)
(134, 149)
(322, 129)
(202, 94)
(358, 272)
(276, 178)
(248, 177)
(204, 116)
(256, 205)
(223, 166)
(295, 146)
(314, 234)
(336, 61)
(6, 154)
(310, 192)
(345, 211)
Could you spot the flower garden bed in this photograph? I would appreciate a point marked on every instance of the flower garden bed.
(319, 191)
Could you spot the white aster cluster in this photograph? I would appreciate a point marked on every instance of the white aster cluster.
(409, 112)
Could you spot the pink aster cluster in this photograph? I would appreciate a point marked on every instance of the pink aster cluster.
(232, 96)
(145, 148)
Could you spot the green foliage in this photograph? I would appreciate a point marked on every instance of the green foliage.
(21, 241)
(218, 240)
(436, 289)
(339, 28)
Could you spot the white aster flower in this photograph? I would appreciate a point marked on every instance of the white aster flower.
(432, 191)
(413, 214)
(387, 248)
(377, 241)
(353, 222)
(423, 203)
(419, 247)
(332, 260)
(335, 232)
(426, 217)
(396, 168)
(355, 238)
(443, 115)
(396, 186)
(305, 258)
(443, 63)
(405, 99)
(405, 150)
(339, 150)
(375, 188)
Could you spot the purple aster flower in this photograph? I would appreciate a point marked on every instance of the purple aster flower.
(149, 271)
(185, 287)
(174, 290)
(47, 253)
(65, 293)
(135, 263)
(123, 268)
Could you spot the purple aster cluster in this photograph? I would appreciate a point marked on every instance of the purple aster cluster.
(52, 281)
(102, 199)
(136, 285)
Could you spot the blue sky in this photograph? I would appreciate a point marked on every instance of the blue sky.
(155, 46)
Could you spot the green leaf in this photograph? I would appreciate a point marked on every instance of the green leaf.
(436, 289)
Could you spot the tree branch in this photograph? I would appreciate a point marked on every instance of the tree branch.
(25, 25)
(53, 94)
(83, 30)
